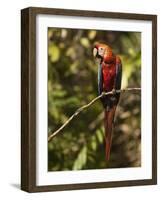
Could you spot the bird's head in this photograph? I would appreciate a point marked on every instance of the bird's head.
(102, 52)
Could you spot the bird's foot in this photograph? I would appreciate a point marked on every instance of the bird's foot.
(113, 91)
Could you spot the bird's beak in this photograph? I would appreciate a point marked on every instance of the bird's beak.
(95, 52)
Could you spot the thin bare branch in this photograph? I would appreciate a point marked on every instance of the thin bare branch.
(79, 110)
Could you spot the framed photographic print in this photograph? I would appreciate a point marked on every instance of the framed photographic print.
(88, 99)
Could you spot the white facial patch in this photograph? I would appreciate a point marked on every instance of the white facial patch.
(101, 51)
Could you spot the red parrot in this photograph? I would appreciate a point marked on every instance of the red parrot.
(109, 79)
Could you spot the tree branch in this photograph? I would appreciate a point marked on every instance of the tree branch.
(79, 110)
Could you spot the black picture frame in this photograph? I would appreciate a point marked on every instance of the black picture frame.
(28, 98)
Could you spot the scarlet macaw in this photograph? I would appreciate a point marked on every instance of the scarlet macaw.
(109, 79)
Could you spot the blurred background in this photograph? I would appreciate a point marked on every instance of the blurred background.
(72, 82)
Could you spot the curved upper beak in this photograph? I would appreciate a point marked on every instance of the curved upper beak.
(95, 51)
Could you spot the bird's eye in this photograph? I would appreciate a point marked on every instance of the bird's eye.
(101, 51)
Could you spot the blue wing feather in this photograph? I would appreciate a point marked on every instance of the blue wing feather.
(118, 76)
(100, 80)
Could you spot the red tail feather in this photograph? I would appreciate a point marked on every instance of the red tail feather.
(109, 118)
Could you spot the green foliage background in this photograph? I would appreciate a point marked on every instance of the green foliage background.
(72, 82)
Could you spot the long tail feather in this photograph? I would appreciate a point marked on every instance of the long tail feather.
(109, 119)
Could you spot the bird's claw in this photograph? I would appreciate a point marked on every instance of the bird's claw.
(113, 91)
